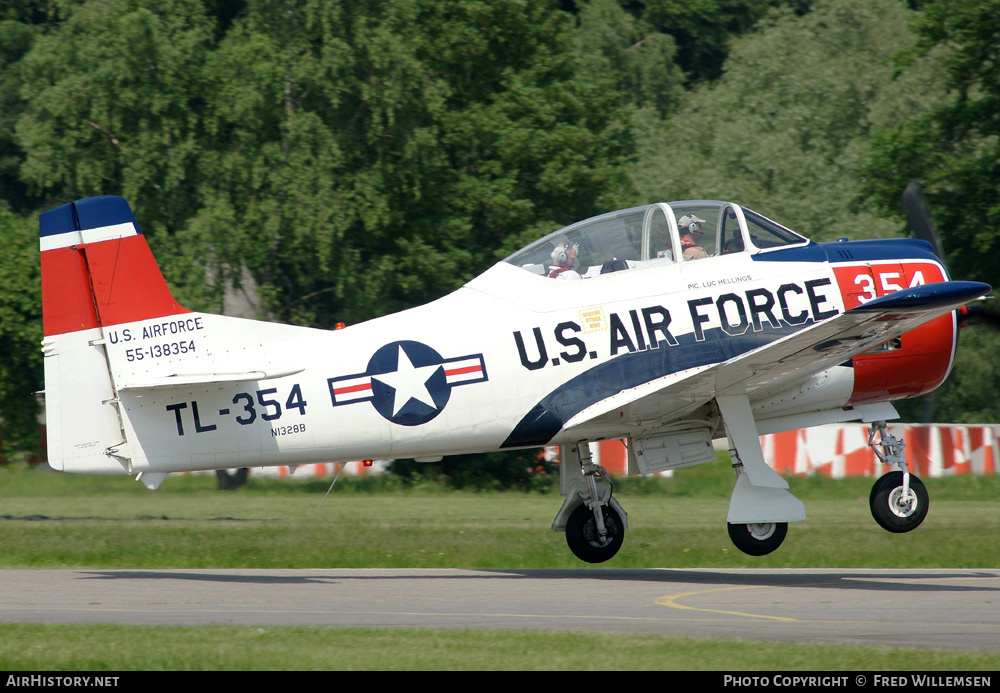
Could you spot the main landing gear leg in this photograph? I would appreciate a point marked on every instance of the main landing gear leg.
(594, 522)
(761, 505)
(754, 538)
(898, 500)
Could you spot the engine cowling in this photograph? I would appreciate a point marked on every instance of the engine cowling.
(918, 361)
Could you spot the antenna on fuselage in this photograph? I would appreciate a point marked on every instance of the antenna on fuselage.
(335, 477)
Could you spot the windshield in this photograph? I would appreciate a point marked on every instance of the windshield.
(609, 237)
(656, 234)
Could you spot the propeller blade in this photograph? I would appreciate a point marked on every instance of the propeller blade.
(918, 217)
(977, 315)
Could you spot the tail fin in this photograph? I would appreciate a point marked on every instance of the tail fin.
(97, 269)
(97, 272)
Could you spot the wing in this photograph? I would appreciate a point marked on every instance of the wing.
(787, 360)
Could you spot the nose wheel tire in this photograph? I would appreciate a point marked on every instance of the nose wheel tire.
(584, 540)
(758, 538)
(891, 509)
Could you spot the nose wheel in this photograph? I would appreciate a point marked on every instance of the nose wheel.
(898, 500)
(898, 507)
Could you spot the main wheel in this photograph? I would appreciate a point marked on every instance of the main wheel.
(585, 542)
(758, 538)
(228, 480)
(891, 510)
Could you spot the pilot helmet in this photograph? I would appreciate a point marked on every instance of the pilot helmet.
(565, 254)
(687, 223)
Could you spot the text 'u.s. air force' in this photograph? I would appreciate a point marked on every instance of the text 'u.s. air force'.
(650, 327)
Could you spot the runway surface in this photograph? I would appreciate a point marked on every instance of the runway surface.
(955, 609)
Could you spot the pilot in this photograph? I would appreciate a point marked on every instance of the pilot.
(564, 262)
(690, 228)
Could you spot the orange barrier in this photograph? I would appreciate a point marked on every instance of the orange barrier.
(325, 469)
(836, 451)
(841, 450)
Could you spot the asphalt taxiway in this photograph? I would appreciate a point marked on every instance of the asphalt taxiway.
(954, 609)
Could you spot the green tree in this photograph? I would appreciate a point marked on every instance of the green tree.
(113, 98)
(377, 156)
(20, 335)
(786, 129)
(15, 39)
(20, 295)
(953, 148)
(703, 29)
(629, 56)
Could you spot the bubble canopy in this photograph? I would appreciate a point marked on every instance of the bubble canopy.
(656, 234)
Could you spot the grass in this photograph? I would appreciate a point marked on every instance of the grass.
(65, 521)
(214, 648)
(52, 520)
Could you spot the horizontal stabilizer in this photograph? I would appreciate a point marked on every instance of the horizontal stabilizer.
(178, 379)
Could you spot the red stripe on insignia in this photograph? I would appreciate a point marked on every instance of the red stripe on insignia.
(352, 388)
(460, 371)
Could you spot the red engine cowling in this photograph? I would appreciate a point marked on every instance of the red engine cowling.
(917, 362)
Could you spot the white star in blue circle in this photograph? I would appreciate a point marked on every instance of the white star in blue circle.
(408, 383)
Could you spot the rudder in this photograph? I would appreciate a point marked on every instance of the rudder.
(97, 272)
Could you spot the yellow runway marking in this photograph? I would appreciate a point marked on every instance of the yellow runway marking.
(671, 601)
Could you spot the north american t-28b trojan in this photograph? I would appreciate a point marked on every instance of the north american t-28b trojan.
(658, 344)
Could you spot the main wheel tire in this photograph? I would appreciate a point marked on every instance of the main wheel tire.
(228, 480)
(758, 538)
(891, 511)
(586, 543)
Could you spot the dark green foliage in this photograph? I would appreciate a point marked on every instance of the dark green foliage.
(20, 336)
(953, 149)
(346, 160)
(519, 470)
(704, 28)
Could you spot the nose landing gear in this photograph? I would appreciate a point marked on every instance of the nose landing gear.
(898, 500)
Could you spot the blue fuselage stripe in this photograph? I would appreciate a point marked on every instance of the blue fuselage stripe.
(545, 419)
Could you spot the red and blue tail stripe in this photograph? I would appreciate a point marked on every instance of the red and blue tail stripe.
(97, 269)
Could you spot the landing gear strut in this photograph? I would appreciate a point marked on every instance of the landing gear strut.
(594, 522)
(761, 505)
(898, 500)
(754, 538)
